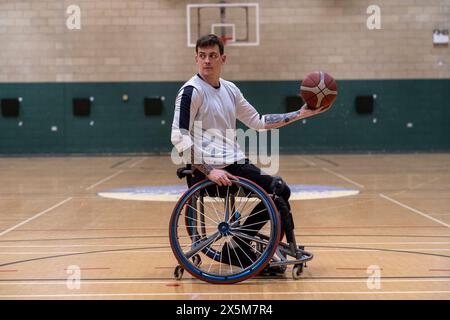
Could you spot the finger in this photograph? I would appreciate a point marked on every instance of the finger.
(229, 175)
(226, 181)
(304, 106)
(217, 181)
(325, 108)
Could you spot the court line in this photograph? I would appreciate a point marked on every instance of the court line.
(195, 281)
(365, 243)
(444, 270)
(137, 162)
(343, 177)
(149, 250)
(418, 186)
(36, 216)
(94, 229)
(240, 293)
(308, 162)
(120, 163)
(414, 210)
(303, 227)
(167, 244)
(165, 236)
(158, 245)
(327, 161)
(104, 180)
(89, 269)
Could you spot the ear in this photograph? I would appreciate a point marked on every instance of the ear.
(224, 58)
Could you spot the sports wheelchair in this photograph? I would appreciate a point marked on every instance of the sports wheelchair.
(208, 226)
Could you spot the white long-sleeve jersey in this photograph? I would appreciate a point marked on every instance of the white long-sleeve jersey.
(205, 118)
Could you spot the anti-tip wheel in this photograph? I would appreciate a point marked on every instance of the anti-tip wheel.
(197, 260)
(297, 271)
(178, 273)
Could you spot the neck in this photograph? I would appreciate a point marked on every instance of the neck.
(212, 80)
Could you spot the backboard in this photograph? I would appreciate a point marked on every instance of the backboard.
(236, 23)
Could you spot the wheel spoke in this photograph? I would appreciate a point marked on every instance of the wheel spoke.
(203, 214)
(212, 203)
(227, 203)
(242, 206)
(243, 252)
(203, 244)
(246, 236)
(248, 225)
(229, 262)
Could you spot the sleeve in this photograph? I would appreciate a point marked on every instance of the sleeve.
(187, 104)
(247, 114)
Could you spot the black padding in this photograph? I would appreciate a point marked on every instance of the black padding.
(10, 107)
(81, 107)
(364, 104)
(277, 186)
(153, 106)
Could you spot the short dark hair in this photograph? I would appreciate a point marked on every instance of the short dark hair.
(209, 41)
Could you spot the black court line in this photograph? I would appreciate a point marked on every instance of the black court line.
(372, 235)
(380, 249)
(119, 163)
(79, 254)
(166, 236)
(327, 161)
(85, 238)
(167, 247)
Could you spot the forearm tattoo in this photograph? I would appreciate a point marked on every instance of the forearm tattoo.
(281, 118)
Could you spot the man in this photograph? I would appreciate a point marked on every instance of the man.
(216, 104)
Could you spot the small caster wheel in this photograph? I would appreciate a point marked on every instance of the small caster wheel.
(297, 271)
(197, 260)
(178, 273)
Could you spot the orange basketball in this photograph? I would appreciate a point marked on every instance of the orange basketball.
(318, 90)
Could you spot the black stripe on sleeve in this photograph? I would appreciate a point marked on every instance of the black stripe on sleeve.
(185, 107)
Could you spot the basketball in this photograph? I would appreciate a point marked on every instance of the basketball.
(318, 90)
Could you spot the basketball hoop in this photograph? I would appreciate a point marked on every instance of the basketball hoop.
(225, 39)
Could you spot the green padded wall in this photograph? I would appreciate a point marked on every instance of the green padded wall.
(118, 127)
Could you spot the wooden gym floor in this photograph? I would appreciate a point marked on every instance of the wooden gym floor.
(51, 219)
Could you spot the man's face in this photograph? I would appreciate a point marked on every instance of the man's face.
(209, 60)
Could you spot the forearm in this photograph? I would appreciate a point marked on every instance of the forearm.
(274, 121)
(202, 167)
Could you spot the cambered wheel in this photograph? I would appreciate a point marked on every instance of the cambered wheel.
(213, 231)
